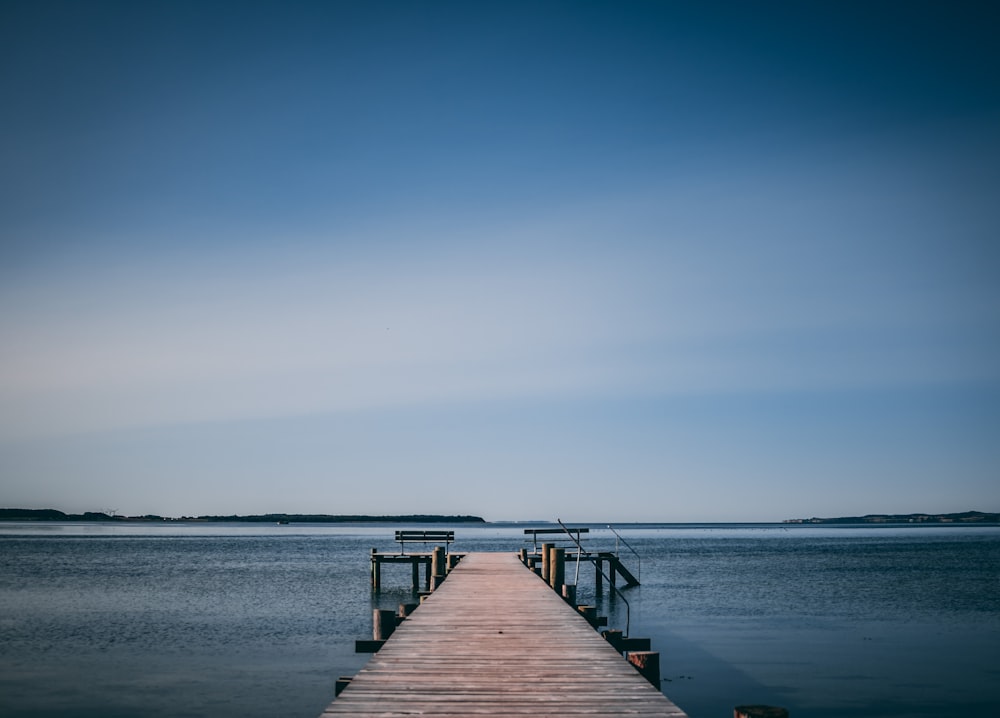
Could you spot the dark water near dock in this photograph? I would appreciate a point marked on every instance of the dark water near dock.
(258, 621)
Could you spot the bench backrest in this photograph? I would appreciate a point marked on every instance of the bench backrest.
(425, 536)
(404, 537)
(536, 532)
(570, 533)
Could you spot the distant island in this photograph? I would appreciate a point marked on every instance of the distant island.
(966, 517)
(55, 515)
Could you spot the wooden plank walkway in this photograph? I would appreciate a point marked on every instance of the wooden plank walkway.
(495, 640)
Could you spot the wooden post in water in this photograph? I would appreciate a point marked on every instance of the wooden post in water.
(557, 568)
(405, 609)
(437, 566)
(648, 664)
(599, 576)
(415, 566)
(383, 624)
(546, 560)
(452, 561)
(614, 637)
(759, 712)
(569, 593)
(376, 571)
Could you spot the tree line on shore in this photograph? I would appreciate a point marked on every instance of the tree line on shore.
(56, 515)
(965, 517)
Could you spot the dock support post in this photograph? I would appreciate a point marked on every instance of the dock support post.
(376, 571)
(648, 664)
(383, 624)
(599, 576)
(405, 609)
(415, 569)
(759, 712)
(614, 637)
(546, 560)
(437, 566)
(557, 568)
(569, 593)
(523, 555)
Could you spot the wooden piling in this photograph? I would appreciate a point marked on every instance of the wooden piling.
(546, 560)
(759, 712)
(557, 567)
(438, 567)
(362, 646)
(376, 571)
(648, 665)
(635, 644)
(614, 637)
(405, 609)
(383, 624)
(569, 594)
(589, 612)
(599, 576)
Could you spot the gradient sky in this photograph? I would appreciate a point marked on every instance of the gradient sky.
(623, 261)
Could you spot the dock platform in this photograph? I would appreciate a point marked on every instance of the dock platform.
(495, 640)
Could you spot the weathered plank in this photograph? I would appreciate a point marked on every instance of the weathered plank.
(494, 640)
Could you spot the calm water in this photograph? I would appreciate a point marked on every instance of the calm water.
(258, 621)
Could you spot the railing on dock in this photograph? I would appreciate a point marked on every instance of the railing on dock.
(597, 566)
(573, 536)
(638, 558)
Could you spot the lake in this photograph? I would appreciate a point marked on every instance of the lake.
(257, 620)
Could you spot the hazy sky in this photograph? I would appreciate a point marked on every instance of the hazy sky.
(599, 261)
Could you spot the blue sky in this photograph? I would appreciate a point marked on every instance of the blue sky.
(631, 261)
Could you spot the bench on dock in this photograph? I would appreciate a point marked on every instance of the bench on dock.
(566, 534)
(405, 537)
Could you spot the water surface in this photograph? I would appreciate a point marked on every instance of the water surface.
(255, 620)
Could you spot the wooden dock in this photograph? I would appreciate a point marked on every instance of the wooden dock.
(495, 640)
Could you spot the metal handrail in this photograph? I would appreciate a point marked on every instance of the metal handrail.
(638, 558)
(579, 547)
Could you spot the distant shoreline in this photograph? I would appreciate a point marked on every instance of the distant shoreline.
(56, 515)
(966, 517)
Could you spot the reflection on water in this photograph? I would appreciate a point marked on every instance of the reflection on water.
(252, 620)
